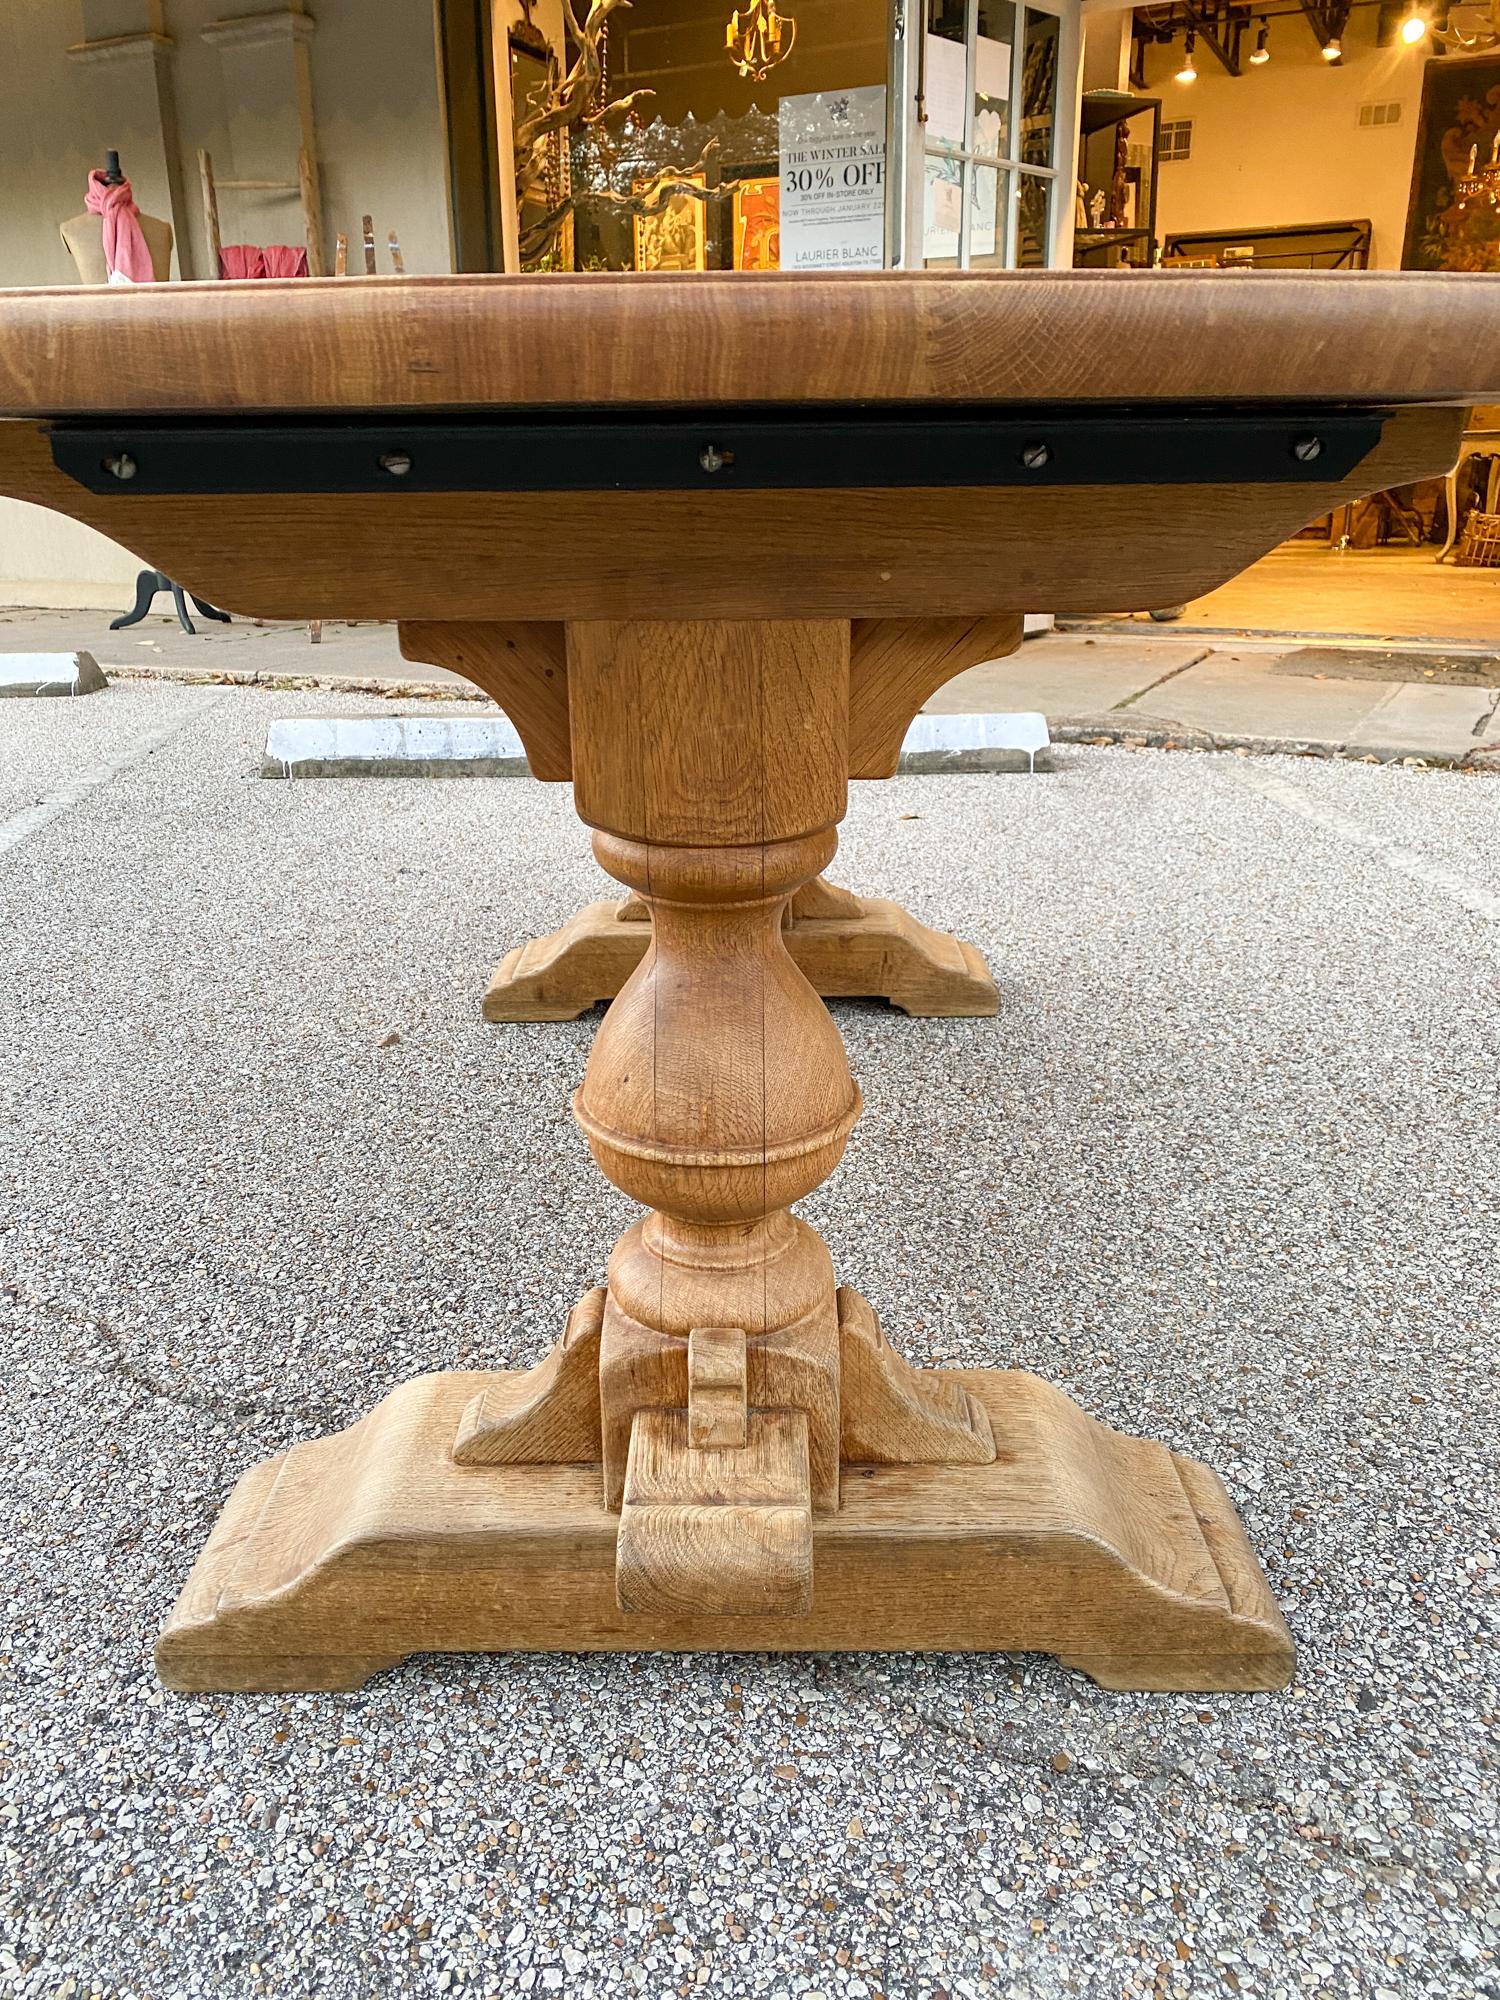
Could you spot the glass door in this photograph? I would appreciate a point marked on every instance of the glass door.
(990, 90)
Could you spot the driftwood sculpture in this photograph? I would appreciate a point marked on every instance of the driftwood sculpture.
(578, 97)
(1486, 39)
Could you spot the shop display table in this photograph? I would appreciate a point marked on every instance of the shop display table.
(725, 536)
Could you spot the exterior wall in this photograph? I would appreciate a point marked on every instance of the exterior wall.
(379, 134)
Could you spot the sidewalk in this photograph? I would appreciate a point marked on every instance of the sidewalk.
(1130, 682)
(1272, 695)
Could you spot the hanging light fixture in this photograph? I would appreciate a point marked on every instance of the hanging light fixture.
(1332, 50)
(1414, 25)
(759, 38)
(1261, 52)
(1189, 71)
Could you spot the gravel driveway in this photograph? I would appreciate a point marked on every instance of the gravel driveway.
(1225, 1168)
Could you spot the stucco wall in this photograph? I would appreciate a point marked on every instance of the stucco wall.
(380, 146)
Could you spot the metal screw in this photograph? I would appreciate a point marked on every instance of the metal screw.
(396, 463)
(121, 465)
(714, 460)
(1035, 456)
(1307, 449)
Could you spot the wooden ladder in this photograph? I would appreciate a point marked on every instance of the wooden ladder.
(305, 186)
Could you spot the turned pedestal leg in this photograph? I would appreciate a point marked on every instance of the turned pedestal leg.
(847, 947)
(723, 1449)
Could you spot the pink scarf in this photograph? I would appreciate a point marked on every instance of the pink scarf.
(126, 257)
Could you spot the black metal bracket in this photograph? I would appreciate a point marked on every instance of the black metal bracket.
(1327, 18)
(638, 451)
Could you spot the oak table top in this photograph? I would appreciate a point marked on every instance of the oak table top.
(749, 337)
(574, 446)
(712, 541)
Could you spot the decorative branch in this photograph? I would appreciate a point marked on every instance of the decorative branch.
(571, 102)
(1486, 39)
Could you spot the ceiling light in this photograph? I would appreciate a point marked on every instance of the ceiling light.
(1414, 27)
(1261, 53)
(1333, 49)
(1189, 71)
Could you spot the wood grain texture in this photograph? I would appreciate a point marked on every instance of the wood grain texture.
(1074, 336)
(522, 668)
(894, 1414)
(717, 1410)
(782, 1269)
(845, 946)
(895, 664)
(726, 1532)
(900, 553)
(709, 732)
(350, 1552)
(550, 1414)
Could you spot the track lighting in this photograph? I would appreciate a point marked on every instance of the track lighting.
(1261, 52)
(1189, 71)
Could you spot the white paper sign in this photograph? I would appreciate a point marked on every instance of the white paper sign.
(947, 90)
(833, 180)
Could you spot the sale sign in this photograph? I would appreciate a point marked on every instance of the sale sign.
(833, 180)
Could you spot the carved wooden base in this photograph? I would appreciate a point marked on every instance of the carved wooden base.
(723, 1449)
(342, 1556)
(847, 947)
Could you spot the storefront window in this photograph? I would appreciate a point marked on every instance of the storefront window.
(772, 124)
(988, 113)
(822, 135)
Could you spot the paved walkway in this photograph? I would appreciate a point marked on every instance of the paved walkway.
(1120, 681)
(1193, 693)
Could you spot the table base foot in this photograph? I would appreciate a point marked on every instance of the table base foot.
(344, 1555)
(870, 949)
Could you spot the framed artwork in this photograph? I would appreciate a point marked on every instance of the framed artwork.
(1453, 217)
(673, 240)
(757, 224)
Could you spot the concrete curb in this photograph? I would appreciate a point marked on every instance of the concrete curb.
(28, 675)
(271, 683)
(395, 746)
(1245, 638)
(1119, 728)
(486, 746)
(1139, 734)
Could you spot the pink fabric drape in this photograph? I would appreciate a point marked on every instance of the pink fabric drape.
(126, 257)
(248, 260)
(285, 260)
(241, 260)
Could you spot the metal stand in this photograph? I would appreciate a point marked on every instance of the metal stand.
(147, 586)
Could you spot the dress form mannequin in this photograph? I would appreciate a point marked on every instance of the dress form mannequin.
(84, 236)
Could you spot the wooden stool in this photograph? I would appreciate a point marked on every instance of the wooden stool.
(724, 1449)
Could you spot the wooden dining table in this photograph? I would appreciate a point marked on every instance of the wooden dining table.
(711, 541)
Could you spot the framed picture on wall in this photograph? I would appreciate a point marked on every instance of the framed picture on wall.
(674, 239)
(1453, 217)
(757, 224)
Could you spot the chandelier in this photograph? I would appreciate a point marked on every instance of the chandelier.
(759, 39)
(1481, 183)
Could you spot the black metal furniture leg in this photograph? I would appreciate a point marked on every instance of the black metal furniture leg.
(182, 611)
(147, 584)
(210, 610)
